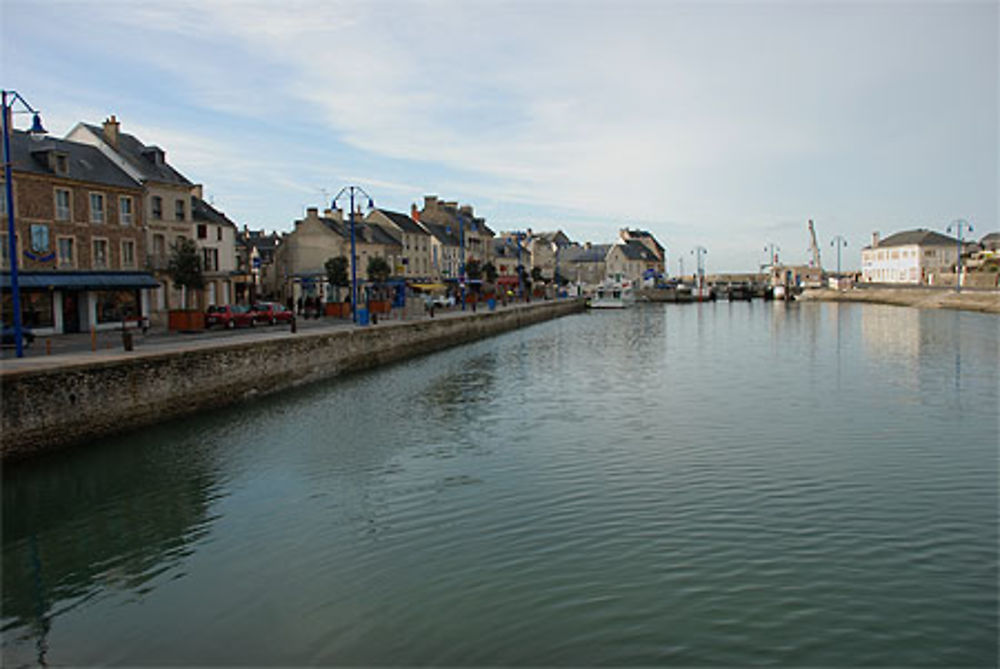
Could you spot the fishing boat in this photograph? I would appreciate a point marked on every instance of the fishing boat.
(613, 295)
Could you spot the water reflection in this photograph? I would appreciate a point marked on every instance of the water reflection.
(76, 525)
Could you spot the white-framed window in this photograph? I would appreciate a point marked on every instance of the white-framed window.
(97, 208)
(100, 256)
(156, 207)
(63, 211)
(125, 210)
(67, 252)
(179, 210)
(128, 253)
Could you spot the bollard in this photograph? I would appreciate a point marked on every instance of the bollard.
(48, 347)
(294, 326)
(127, 340)
(93, 338)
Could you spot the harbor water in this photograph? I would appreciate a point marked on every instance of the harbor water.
(709, 484)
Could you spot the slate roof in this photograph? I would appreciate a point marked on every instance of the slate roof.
(405, 223)
(203, 211)
(644, 234)
(920, 237)
(635, 250)
(506, 247)
(363, 232)
(596, 253)
(444, 234)
(136, 153)
(86, 163)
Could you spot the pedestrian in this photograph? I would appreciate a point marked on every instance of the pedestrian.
(299, 305)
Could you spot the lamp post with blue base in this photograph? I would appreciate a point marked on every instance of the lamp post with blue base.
(350, 191)
(9, 98)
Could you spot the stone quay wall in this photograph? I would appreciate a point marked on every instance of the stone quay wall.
(47, 409)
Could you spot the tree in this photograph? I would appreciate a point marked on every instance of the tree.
(473, 270)
(490, 272)
(184, 266)
(336, 273)
(378, 269)
(536, 274)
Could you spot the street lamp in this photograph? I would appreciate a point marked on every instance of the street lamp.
(772, 253)
(520, 268)
(9, 98)
(354, 269)
(957, 226)
(699, 252)
(840, 243)
(461, 259)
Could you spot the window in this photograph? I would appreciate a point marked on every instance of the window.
(125, 210)
(4, 250)
(62, 204)
(96, 208)
(179, 210)
(128, 253)
(159, 245)
(100, 260)
(65, 248)
(157, 205)
(39, 238)
(218, 233)
(116, 305)
(62, 164)
(202, 231)
(3, 198)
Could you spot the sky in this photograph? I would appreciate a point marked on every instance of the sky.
(725, 125)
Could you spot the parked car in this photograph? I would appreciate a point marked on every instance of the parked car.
(443, 301)
(229, 316)
(27, 336)
(271, 312)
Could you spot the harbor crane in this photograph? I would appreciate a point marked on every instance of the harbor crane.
(814, 247)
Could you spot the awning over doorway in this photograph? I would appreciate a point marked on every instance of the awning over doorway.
(80, 280)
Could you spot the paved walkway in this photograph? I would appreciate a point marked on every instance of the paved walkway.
(53, 351)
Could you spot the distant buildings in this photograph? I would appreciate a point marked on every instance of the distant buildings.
(911, 256)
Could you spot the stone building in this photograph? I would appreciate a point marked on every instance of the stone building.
(911, 256)
(215, 235)
(80, 239)
(585, 264)
(166, 204)
(414, 261)
(474, 237)
(631, 260)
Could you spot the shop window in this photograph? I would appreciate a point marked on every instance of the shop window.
(36, 308)
(113, 306)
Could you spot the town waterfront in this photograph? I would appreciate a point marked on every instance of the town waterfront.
(743, 483)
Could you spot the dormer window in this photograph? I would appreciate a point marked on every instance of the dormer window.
(62, 164)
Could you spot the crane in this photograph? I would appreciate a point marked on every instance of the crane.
(814, 247)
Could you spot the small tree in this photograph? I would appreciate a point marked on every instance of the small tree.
(378, 270)
(536, 274)
(184, 266)
(336, 273)
(490, 272)
(473, 270)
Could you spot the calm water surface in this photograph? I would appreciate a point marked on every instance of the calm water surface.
(719, 484)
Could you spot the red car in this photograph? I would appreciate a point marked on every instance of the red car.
(229, 316)
(271, 312)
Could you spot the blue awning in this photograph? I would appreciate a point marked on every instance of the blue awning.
(79, 280)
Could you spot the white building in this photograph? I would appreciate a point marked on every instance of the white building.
(908, 257)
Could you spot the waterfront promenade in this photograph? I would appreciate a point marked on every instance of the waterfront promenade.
(984, 301)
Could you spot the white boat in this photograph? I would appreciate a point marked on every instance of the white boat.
(613, 295)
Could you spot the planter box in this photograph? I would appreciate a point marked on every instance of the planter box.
(380, 306)
(186, 320)
(338, 309)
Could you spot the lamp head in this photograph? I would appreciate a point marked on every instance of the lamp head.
(36, 125)
(371, 203)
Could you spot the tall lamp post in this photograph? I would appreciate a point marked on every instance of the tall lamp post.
(840, 243)
(9, 98)
(772, 253)
(461, 259)
(956, 227)
(699, 252)
(350, 190)
(518, 236)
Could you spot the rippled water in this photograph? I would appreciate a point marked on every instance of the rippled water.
(718, 484)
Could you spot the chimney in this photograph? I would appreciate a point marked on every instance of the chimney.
(414, 212)
(197, 192)
(312, 213)
(466, 209)
(111, 127)
(430, 202)
(875, 239)
(328, 213)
